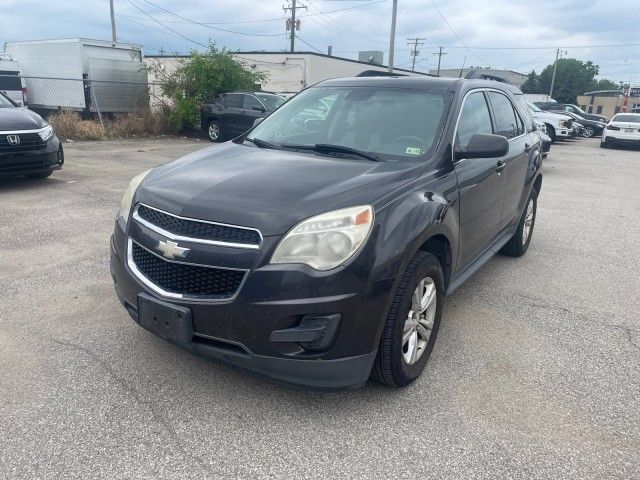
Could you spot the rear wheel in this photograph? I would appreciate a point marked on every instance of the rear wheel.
(214, 131)
(603, 144)
(412, 323)
(519, 243)
(588, 132)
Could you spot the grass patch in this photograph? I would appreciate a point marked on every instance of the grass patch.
(142, 123)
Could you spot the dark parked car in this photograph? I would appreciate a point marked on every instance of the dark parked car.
(591, 127)
(28, 145)
(567, 107)
(231, 114)
(322, 256)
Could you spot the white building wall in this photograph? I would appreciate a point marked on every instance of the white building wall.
(287, 72)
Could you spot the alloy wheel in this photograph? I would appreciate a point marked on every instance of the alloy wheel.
(528, 222)
(419, 323)
(213, 131)
(588, 132)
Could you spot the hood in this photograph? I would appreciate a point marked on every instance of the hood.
(19, 119)
(271, 190)
(550, 116)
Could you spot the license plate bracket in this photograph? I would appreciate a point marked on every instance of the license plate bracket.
(169, 321)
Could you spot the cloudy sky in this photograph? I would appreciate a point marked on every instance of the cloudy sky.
(513, 34)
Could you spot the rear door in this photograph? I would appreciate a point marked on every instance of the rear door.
(232, 113)
(480, 181)
(253, 108)
(510, 124)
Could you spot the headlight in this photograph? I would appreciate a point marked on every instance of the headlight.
(127, 198)
(328, 240)
(46, 133)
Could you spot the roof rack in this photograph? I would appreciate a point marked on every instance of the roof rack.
(379, 73)
(479, 74)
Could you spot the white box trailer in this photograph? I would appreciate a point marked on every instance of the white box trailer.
(10, 81)
(81, 74)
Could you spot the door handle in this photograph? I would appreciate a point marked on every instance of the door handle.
(500, 166)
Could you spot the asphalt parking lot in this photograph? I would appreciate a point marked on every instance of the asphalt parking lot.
(536, 372)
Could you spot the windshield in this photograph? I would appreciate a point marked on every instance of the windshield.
(533, 107)
(627, 118)
(389, 123)
(270, 101)
(5, 102)
(576, 108)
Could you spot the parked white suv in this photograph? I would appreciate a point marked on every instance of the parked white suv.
(558, 125)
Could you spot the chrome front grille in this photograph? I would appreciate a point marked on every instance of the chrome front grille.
(183, 280)
(195, 230)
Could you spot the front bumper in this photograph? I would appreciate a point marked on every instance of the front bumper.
(238, 332)
(32, 162)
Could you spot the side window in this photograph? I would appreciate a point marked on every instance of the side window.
(519, 123)
(233, 101)
(250, 101)
(474, 118)
(506, 123)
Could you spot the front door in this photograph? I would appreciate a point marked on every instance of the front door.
(481, 184)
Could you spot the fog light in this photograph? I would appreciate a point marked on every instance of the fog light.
(315, 332)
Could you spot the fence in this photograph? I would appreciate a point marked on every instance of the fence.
(47, 95)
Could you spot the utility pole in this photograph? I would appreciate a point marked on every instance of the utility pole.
(440, 53)
(416, 42)
(292, 24)
(555, 65)
(392, 37)
(114, 39)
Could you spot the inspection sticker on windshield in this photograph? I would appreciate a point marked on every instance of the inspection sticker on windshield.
(412, 151)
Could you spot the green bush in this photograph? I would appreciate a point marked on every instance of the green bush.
(199, 79)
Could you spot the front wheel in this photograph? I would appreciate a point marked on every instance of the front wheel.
(412, 323)
(551, 132)
(519, 243)
(214, 131)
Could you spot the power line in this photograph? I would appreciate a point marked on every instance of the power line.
(341, 28)
(444, 19)
(440, 53)
(308, 44)
(211, 26)
(417, 42)
(274, 19)
(165, 26)
(293, 24)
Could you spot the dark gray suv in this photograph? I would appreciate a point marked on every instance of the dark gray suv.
(231, 114)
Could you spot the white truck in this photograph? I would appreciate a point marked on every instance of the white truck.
(81, 75)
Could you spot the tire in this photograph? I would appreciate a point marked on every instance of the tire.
(588, 132)
(39, 176)
(391, 366)
(214, 131)
(519, 243)
(551, 132)
(603, 144)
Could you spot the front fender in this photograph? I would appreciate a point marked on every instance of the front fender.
(426, 208)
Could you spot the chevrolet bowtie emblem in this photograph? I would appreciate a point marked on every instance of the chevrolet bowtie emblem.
(171, 249)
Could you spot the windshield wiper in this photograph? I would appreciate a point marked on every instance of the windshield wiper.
(330, 148)
(260, 143)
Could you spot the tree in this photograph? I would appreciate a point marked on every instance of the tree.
(573, 78)
(200, 78)
(531, 84)
(604, 84)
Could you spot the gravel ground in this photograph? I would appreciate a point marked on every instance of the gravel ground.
(536, 372)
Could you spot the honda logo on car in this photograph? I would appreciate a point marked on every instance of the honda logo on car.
(13, 139)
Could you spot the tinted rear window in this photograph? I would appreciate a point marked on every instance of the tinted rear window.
(627, 118)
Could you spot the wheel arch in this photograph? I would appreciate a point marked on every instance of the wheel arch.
(440, 247)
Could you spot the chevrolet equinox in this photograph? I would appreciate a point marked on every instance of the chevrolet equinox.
(318, 247)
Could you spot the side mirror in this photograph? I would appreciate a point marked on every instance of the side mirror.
(257, 121)
(483, 145)
(259, 109)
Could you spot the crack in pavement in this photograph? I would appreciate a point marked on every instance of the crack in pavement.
(124, 385)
